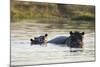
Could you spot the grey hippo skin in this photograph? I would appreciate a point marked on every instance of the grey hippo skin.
(61, 40)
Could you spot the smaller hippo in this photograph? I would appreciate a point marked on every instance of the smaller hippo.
(39, 40)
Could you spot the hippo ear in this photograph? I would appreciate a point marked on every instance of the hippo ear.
(82, 33)
(46, 34)
(71, 32)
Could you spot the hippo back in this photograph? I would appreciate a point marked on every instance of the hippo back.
(58, 40)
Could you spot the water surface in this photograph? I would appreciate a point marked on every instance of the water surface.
(24, 54)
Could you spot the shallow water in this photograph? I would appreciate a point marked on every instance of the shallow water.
(24, 54)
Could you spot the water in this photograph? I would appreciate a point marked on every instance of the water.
(24, 54)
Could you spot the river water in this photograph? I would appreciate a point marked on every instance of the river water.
(24, 54)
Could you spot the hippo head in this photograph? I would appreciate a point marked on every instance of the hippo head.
(38, 40)
(76, 39)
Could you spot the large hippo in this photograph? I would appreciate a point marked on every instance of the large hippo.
(75, 40)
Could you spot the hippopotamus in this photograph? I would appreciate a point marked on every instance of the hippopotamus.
(39, 40)
(75, 40)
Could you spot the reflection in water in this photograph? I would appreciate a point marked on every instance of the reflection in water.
(24, 54)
